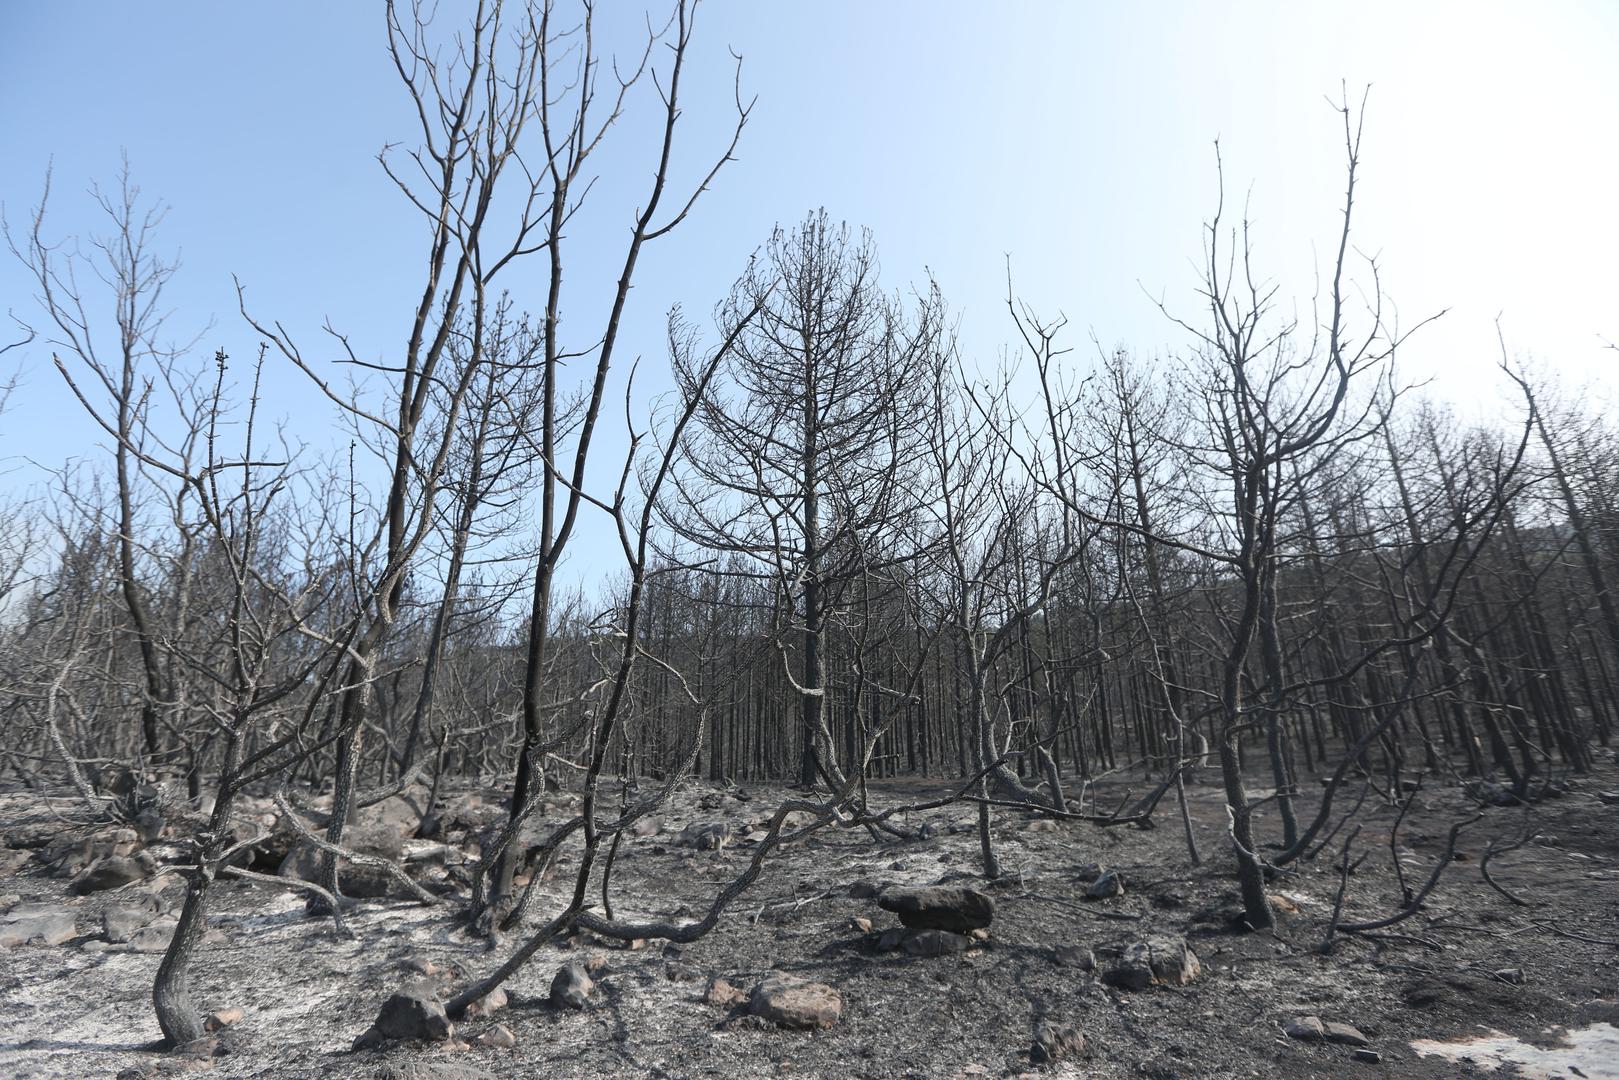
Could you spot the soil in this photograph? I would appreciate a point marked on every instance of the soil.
(1469, 962)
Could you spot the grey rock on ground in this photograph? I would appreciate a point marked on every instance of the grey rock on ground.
(571, 987)
(1305, 1029)
(1155, 961)
(723, 994)
(380, 839)
(933, 943)
(36, 924)
(1055, 1042)
(411, 1012)
(1105, 887)
(121, 922)
(791, 1003)
(111, 872)
(940, 908)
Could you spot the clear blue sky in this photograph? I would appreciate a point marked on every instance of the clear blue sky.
(1075, 137)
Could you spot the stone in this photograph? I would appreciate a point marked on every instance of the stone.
(933, 943)
(860, 924)
(412, 1012)
(224, 1018)
(1305, 1029)
(366, 882)
(723, 994)
(1346, 1034)
(1055, 1042)
(791, 1003)
(940, 908)
(1155, 961)
(431, 1070)
(1079, 956)
(499, 1037)
(891, 940)
(1105, 887)
(863, 890)
(112, 872)
(121, 922)
(153, 938)
(491, 1002)
(706, 835)
(571, 987)
(31, 924)
(1042, 825)
(646, 826)
(1371, 1057)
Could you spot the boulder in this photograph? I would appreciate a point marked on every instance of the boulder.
(1054, 1042)
(121, 922)
(571, 987)
(1345, 1034)
(940, 908)
(723, 994)
(412, 1012)
(933, 943)
(491, 1002)
(223, 1018)
(706, 835)
(379, 839)
(1105, 887)
(499, 1037)
(1155, 961)
(112, 872)
(154, 938)
(1305, 1029)
(791, 1003)
(36, 924)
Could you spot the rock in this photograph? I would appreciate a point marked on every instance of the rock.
(120, 922)
(491, 1002)
(863, 890)
(1079, 956)
(790, 1003)
(891, 940)
(1305, 1029)
(499, 1037)
(933, 943)
(1054, 1042)
(224, 1018)
(1346, 1034)
(412, 1012)
(112, 872)
(1371, 1057)
(431, 1070)
(1155, 961)
(706, 835)
(940, 908)
(860, 924)
(1508, 975)
(376, 838)
(571, 987)
(154, 938)
(646, 826)
(928, 831)
(1042, 825)
(31, 924)
(723, 994)
(1108, 885)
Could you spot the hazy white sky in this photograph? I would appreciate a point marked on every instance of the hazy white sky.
(1074, 137)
